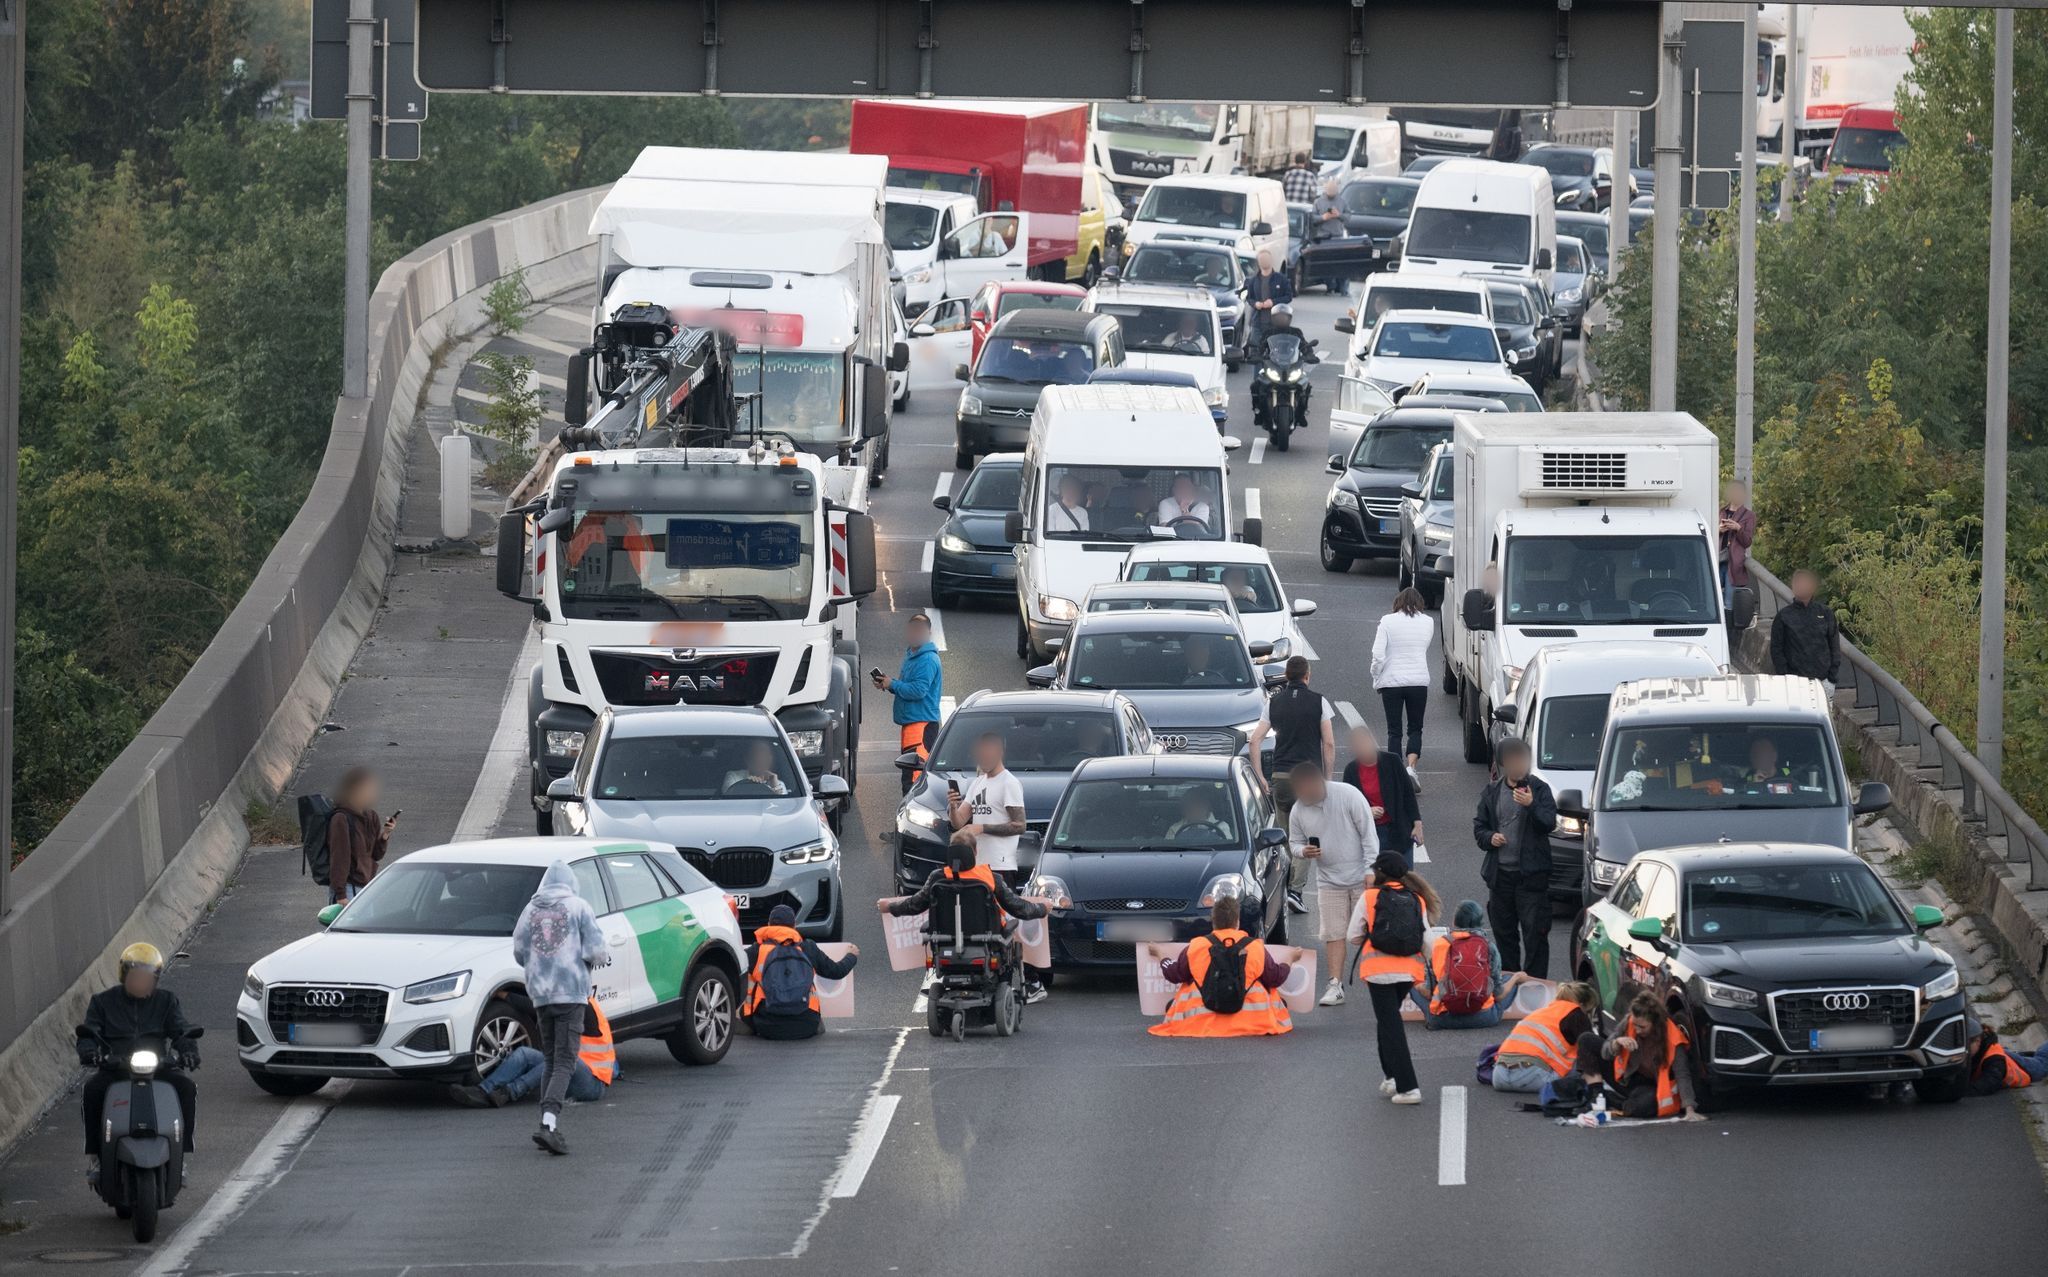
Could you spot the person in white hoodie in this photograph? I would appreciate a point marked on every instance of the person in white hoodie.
(1400, 672)
(559, 945)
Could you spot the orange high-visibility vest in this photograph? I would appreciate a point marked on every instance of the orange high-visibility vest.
(2015, 1076)
(1668, 1104)
(1372, 962)
(1440, 964)
(1263, 1013)
(1540, 1037)
(596, 1050)
(766, 940)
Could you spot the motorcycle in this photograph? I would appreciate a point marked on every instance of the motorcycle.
(142, 1139)
(1281, 387)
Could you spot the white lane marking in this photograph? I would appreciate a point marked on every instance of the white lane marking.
(1450, 1139)
(1259, 450)
(1251, 503)
(944, 485)
(266, 1164)
(1349, 713)
(545, 343)
(505, 756)
(923, 1001)
(874, 1102)
(945, 708)
(938, 628)
(924, 564)
(569, 314)
(874, 1127)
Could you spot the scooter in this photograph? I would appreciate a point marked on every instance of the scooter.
(142, 1140)
(1282, 387)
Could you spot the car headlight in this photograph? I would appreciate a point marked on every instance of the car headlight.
(1727, 995)
(1296, 374)
(1944, 985)
(1048, 887)
(970, 406)
(1221, 885)
(810, 853)
(923, 276)
(1244, 730)
(1567, 197)
(1343, 499)
(439, 989)
(1054, 608)
(1571, 295)
(1217, 397)
(564, 744)
(252, 984)
(1513, 674)
(809, 744)
(1571, 826)
(1435, 535)
(1605, 873)
(1282, 649)
(954, 542)
(1512, 357)
(925, 818)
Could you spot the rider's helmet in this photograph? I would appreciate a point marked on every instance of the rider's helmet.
(141, 954)
(1283, 317)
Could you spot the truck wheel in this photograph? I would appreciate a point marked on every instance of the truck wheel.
(1023, 640)
(1092, 272)
(1450, 683)
(705, 1034)
(285, 1084)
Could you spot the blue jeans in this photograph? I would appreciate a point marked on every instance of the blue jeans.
(2035, 1064)
(1523, 1078)
(519, 1075)
(1727, 590)
(1476, 1020)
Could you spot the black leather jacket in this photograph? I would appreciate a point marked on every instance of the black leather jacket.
(124, 1024)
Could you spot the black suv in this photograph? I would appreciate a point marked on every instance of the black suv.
(1024, 353)
(1362, 514)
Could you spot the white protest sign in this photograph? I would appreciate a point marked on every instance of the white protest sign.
(906, 939)
(1155, 991)
(1036, 937)
(835, 997)
(1299, 993)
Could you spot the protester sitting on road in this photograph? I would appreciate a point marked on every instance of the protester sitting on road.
(1542, 1046)
(1393, 917)
(1648, 1061)
(520, 1074)
(1462, 984)
(782, 990)
(1227, 984)
(1993, 1068)
(1331, 831)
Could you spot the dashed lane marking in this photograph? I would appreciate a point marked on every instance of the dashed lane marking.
(1349, 713)
(938, 628)
(1450, 1139)
(944, 484)
(925, 564)
(1258, 451)
(874, 1128)
(1251, 503)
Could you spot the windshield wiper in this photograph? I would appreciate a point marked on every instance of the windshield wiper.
(739, 600)
(992, 376)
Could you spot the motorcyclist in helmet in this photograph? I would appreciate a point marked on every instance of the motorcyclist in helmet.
(1281, 324)
(136, 1015)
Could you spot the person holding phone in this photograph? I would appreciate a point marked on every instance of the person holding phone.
(1332, 831)
(917, 687)
(357, 837)
(1512, 826)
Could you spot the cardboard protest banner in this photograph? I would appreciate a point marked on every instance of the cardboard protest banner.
(906, 939)
(835, 997)
(1531, 995)
(1036, 936)
(1299, 993)
(1155, 991)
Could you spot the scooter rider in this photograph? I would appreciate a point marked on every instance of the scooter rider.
(136, 1014)
(1281, 324)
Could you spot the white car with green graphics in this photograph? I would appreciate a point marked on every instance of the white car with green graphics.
(414, 978)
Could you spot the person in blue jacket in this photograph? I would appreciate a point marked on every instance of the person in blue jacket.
(917, 687)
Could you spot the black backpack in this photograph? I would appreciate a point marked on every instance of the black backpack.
(316, 811)
(1397, 924)
(787, 980)
(1223, 984)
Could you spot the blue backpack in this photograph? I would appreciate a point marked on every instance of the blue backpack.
(787, 980)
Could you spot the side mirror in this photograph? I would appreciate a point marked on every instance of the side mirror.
(1648, 930)
(1477, 610)
(512, 555)
(1041, 675)
(576, 398)
(1548, 321)
(1335, 465)
(1506, 714)
(942, 502)
(1872, 796)
(1055, 644)
(833, 790)
(899, 356)
(922, 329)
(1303, 607)
(1445, 563)
(1542, 259)
(562, 789)
(1262, 228)
(1252, 531)
(876, 398)
(1571, 802)
(1741, 608)
(1030, 849)
(1347, 325)
(1231, 443)
(1013, 526)
(909, 761)
(1272, 674)
(1925, 916)
(961, 372)
(329, 914)
(1413, 490)
(1270, 837)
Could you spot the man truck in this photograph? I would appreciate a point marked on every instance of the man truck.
(1137, 143)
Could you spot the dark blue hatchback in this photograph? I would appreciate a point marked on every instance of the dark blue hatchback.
(970, 556)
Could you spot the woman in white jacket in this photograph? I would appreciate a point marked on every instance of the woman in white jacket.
(1400, 670)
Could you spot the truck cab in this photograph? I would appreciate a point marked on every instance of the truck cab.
(917, 223)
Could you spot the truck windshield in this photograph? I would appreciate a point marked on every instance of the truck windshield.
(1193, 206)
(1158, 660)
(1131, 503)
(1163, 330)
(924, 179)
(1569, 740)
(910, 227)
(1166, 119)
(1865, 149)
(697, 566)
(1471, 236)
(1719, 765)
(1616, 580)
(802, 393)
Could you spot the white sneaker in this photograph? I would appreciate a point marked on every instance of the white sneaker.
(1333, 995)
(1387, 1088)
(1408, 1097)
(1415, 780)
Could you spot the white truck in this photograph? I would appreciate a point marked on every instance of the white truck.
(1137, 143)
(1595, 526)
(787, 252)
(695, 576)
(1849, 55)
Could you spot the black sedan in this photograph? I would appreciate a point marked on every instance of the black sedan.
(1530, 336)
(1788, 964)
(970, 556)
(1046, 735)
(1581, 177)
(1362, 514)
(1140, 848)
(1375, 214)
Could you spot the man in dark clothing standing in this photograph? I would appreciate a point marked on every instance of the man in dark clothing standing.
(1300, 721)
(1512, 826)
(1805, 640)
(1269, 290)
(1383, 779)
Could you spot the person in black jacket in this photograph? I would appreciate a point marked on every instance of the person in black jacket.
(136, 1015)
(1805, 640)
(1398, 813)
(1512, 826)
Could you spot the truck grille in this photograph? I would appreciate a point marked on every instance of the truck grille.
(734, 868)
(1585, 470)
(1199, 740)
(710, 678)
(325, 1004)
(1799, 1012)
(1134, 164)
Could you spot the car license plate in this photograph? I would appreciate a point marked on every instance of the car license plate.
(1004, 569)
(325, 1035)
(741, 899)
(1390, 526)
(1850, 1037)
(1134, 930)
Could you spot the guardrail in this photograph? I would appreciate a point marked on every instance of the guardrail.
(1983, 798)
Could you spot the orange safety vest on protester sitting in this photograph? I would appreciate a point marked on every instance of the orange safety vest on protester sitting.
(766, 940)
(1668, 1104)
(1263, 1013)
(1440, 964)
(1540, 1037)
(1372, 962)
(596, 1049)
(2015, 1076)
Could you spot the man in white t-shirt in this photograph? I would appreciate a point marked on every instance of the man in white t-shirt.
(989, 807)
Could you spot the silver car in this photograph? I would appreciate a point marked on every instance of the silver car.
(725, 787)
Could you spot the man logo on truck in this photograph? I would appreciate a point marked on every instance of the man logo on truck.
(661, 681)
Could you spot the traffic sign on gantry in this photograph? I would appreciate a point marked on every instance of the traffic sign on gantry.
(398, 103)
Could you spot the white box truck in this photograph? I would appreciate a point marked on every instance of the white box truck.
(1598, 526)
(1850, 55)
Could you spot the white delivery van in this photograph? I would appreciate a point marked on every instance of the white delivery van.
(1481, 217)
(917, 224)
(1602, 525)
(1109, 466)
(1247, 213)
(1349, 146)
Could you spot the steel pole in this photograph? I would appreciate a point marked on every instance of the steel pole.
(11, 117)
(1998, 338)
(1617, 203)
(1745, 274)
(355, 323)
(1795, 102)
(1664, 224)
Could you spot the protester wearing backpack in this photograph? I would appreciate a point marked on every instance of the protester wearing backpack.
(782, 990)
(356, 837)
(1388, 928)
(1462, 984)
(1228, 985)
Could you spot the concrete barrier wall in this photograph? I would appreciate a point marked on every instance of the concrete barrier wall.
(158, 836)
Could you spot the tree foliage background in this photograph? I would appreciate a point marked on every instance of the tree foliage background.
(1870, 382)
(181, 342)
